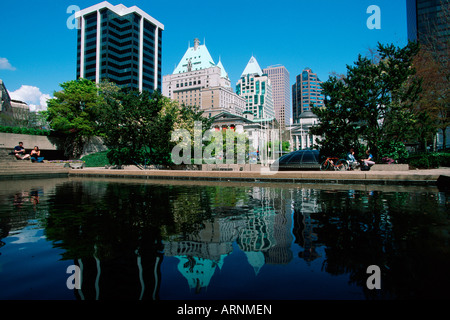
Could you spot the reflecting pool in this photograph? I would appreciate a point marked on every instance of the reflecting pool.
(87, 239)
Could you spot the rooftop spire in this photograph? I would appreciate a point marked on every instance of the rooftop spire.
(199, 58)
(252, 67)
(196, 43)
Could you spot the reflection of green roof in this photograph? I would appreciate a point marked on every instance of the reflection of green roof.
(199, 57)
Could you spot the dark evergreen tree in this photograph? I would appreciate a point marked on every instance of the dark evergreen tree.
(373, 103)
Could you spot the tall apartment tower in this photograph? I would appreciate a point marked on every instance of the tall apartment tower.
(255, 87)
(198, 81)
(306, 91)
(120, 44)
(428, 20)
(281, 92)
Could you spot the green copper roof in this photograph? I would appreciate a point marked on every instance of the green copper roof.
(252, 68)
(223, 73)
(195, 58)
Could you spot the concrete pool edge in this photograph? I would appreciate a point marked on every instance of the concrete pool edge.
(429, 177)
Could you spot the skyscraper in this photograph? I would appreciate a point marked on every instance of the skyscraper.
(256, 89)
(199, 81)
(428, 21)
(281, 92)
(306, 91)
(120, 44)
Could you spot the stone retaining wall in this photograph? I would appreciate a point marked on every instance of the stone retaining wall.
(46, 143)
(10, 140)
(390, 167)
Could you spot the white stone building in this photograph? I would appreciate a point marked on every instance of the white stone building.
(198, 80)
(301, 138)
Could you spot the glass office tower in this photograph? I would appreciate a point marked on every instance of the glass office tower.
(120, 44)
(255, 87)
(306, 91)
(428, 21)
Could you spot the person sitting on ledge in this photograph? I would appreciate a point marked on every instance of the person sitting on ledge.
(35, 155)
(19, 152)
(351, 159)
(369, 161)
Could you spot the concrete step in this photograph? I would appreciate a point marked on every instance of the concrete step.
(31, 171)
(30, 165)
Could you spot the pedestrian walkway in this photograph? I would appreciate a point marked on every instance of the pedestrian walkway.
(22, 169)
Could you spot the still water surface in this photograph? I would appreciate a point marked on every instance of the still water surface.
(185, 240)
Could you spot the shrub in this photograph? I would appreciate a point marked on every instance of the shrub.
(429, 160)
(19, 130)
(395, 150)
(98, 159)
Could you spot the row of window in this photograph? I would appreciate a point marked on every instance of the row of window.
(190, 83)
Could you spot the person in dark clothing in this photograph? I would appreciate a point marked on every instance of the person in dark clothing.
(19, 152)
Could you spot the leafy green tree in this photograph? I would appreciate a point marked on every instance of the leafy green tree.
(339, 125)
(137, 126)
(371, 104)
(72, 112)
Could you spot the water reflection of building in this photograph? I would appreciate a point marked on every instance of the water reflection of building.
(129, 276)
(200, 254)
(305, 205)
(262, 232)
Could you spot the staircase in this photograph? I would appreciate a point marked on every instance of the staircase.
(11, 168)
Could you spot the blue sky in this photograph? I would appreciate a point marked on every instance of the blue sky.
(38, 51)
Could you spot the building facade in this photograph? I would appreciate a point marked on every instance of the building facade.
(428, 21)
(281, 92)
(301, 138)
(259, 131)
(120, 44)
(198, 81)
(255, 87)
(306, 92)
(13, 112)
(5, 100)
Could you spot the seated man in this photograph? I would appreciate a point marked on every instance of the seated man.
(19, 152)
(352, 163)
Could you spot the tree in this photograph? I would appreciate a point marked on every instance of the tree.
(137, 126)
(227, 146)
(73, 112)
(372, 103)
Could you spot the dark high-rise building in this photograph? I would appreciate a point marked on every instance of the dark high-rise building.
(306, 91)
(428, 21)
(120, 44)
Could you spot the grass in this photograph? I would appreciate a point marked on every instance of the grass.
(98, 159)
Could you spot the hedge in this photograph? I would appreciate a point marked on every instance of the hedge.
(30, 131)
(429, 160)
(98, 159)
